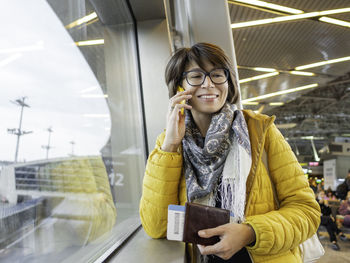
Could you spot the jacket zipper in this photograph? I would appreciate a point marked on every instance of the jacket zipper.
(251, 258)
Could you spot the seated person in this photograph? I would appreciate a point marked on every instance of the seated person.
(344, 210)
(343, 188)
(330, 195)
(328, 221)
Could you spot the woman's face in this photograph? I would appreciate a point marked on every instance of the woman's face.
(209, 97)
(321, 195)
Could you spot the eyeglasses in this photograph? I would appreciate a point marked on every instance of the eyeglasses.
(197, 77)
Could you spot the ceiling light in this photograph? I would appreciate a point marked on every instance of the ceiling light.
(264, 69)
(289, 18)
(82, 20)
(302, 73)
(270, 6)
(10, 59)
(322, 63)
(334, 11)
(257, 69)
(286, 125)
(251, 103)
(89, 89)
(263, 76)
(311, 138)
(281, 92)
(276, 103)
(334, 21)
(90, 42)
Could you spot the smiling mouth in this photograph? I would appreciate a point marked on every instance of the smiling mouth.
(208, 96)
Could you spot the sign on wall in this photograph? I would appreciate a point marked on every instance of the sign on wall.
(329, 174)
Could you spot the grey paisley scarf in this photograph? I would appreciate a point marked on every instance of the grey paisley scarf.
(204, 160)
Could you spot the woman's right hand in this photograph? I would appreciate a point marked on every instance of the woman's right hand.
(175, 128)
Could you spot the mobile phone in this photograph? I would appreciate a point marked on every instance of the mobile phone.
(181, 89)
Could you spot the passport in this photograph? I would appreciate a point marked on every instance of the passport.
(199, 217)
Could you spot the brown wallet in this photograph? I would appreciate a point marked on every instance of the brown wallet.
(199, 217)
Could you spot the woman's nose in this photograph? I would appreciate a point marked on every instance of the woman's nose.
(207, 83)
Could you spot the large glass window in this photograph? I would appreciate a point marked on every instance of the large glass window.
(71, 133)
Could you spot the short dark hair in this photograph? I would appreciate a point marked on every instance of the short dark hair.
(199, 53)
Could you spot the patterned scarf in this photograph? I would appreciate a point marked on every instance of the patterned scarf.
(224, 154)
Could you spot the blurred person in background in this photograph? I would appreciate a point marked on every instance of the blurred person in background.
(344, 210)
(313, 185)
(328, 221)
(330, 195)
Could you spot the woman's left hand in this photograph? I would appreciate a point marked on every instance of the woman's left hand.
(233, 238)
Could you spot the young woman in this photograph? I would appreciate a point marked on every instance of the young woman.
(328, 221)
(212, 155)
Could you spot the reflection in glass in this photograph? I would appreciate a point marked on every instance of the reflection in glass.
(74, 156)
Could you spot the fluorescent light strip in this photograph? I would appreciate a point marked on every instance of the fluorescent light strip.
(334, 21)
(90, 42)
(10, 59)
(264, 69)
(88, 89)
(263, 76)
(289, 18)
(281, 93)
(276, 103)
(270, 6)
(250, 103)
(302, 73)
(82, 20)
(322, 63)
(257, 69)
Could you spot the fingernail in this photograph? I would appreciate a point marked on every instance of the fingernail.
(201, 233)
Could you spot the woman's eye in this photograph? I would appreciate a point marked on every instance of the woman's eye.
(195, 76)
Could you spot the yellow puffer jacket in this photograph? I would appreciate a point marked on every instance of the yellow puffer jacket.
(278, 232)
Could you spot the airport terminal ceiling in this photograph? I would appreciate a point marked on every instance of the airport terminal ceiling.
(322, 111)
(279, 48)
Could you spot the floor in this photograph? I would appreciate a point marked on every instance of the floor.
(331, 256)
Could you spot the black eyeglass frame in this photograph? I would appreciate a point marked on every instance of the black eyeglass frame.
(184, 75)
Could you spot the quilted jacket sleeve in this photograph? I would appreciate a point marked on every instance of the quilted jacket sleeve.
(299, 215)
(160, 188)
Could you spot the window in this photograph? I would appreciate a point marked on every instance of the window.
(72, 144)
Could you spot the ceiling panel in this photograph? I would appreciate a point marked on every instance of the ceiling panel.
(240, 13)
(322, 111)
(287, 45)
(345, 17)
